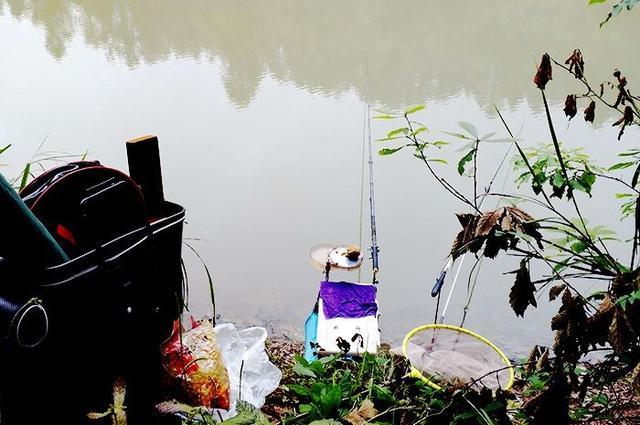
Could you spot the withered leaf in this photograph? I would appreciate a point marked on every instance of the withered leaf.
(623, 283)
(489, 221)
(551, 405)
(497, 228)
(506, 219)
(584, 386)
(522, 291)
(543, 76)
(625, 120)
(465, 238)
(556, 290)
(620, 99)
(530, 363)
(538, 360)
(361, 415)
(590, 112)
(570, 106)
(622, 81)
(543, 361)
(598, 324)
(620, 332)
(572, 337)
(635, 379)
(576, 63)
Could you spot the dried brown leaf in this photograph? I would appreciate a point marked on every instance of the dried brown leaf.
(620, 333)
(590, 112)
(476, 230)
(543, 361)
(625, 120)
(572, 338)
(551, 405)
(576, 63)
(489, 221)
(522, 291)
(570, 106)
(362, 415)
(635, 379)
(544, 74)
(598, 324)
(555, 291)
(465, 238)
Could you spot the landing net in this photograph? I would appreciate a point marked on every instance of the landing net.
(442, 355)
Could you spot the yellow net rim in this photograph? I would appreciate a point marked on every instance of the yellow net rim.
(415, 373)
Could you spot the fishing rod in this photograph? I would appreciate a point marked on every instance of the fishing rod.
(372, 205)
(437, 287)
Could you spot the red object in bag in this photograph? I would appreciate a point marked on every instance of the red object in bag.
(196, 361)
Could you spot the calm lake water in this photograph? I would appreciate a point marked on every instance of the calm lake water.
(259, 109)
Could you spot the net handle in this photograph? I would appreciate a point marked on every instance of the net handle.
(415, 373)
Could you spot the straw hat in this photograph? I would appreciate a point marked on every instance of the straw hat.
(345, 257)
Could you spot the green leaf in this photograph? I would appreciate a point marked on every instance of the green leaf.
(589, 177)
(538, 380)
(384, 117)
(317, 366)
(464, 416)
(558, 179)
(5, 148)
(388, 139)
(438, 160)
(621, 165)
(601, 399)
(300, 359)
(469, 128)
(330, 398)
(504, 140)
(578, 246)
(300, 390)
(591, 2)
(397, 132)
(389, 151)
(584, 183)
(25, 176)
(616, 9)
(382, 394)
(632, 152)
(247, 415)
(414, 109)
(301, 370)
(463, 161)
(458, 135)
(418, 131)
(561, 266)
(436, 403)
(305, 408)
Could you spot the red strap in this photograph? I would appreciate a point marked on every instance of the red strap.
(66, 234)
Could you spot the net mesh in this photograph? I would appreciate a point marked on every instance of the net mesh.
(447, 356)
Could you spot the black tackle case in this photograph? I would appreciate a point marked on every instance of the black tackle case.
(100, 316)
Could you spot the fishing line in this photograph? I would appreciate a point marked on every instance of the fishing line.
(472, 286)
(362, 159)
(372, 205)
(443, 273)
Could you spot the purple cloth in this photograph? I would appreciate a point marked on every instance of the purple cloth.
(348, 300)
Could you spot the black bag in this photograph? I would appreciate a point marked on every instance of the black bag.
(107, 309)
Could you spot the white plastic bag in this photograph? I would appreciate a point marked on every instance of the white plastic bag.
(245, 349)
